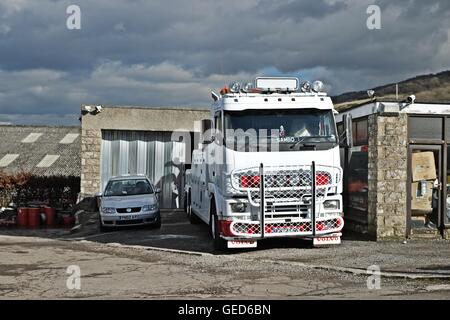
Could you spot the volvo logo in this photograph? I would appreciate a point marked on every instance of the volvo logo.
(128, 210)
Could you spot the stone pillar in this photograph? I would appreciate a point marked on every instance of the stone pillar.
(387, 175)
(91, 140)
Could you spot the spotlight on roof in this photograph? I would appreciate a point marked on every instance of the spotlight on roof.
(317, 86)
(235, 87)
(247, 87)
(306, 86)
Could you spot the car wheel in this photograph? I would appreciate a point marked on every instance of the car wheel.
(219, 243)
(157, 224)
(101, 227)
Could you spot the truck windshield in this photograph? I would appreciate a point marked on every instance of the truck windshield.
(128, 187)
(290, 129)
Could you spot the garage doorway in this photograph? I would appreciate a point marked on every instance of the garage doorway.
(425, 184)
(146, 152)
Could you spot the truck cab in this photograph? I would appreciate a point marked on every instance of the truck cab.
(268, 165)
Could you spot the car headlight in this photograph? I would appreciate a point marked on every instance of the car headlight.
(238, 207)
(331, 205)
(108, 210)
(150, 207)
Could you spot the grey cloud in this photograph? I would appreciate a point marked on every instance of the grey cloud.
(131, 52)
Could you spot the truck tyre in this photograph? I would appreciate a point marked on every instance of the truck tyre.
(220, 244)
(193, 219)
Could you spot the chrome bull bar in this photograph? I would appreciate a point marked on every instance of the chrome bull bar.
(298, 184)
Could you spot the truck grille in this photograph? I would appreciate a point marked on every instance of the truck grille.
(287, 183)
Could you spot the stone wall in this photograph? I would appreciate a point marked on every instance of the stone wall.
(91, 141)
(387, 175)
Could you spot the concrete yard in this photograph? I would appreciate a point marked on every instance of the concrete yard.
(178, 262)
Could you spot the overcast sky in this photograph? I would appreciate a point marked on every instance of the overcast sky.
(173, 53)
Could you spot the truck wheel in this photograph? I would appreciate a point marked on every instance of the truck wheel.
(193, 219)
(220, 244)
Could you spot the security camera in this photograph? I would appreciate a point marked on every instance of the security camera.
(411, 99)
(87, 109)
(371, 93)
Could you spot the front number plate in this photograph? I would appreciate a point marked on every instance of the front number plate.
(326, 240)
(130, 217)
(241, 244)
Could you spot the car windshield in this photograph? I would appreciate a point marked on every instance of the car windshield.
(128, 187)
(285, 126)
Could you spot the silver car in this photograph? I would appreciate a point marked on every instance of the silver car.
(129, 201)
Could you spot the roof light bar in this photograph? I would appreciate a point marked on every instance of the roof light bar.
(277, 83)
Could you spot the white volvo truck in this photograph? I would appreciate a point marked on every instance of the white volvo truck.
(268, 165)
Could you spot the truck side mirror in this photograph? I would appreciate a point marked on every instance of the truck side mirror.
(347, 140)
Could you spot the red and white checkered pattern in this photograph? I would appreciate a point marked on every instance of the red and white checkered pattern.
(273, 229)
(286, 183)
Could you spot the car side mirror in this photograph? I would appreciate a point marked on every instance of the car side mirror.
(98, 194)
(158, 190)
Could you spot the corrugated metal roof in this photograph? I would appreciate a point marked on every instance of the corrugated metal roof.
(50, 141)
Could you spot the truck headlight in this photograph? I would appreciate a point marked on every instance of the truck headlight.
(331, 205)
(150, 207)
(108, 210)
(238, 207)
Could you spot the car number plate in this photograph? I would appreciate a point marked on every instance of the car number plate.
(241, 244)
(327, 240)
(129, 217)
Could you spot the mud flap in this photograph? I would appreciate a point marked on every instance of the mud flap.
(323, 241)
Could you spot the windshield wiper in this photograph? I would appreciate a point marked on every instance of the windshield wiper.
(297, 143)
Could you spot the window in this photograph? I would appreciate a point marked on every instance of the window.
(425, 128)
(291, 129)
(360, 132)
(128, 187)
(447, 128)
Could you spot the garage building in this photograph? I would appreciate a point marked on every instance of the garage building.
(398, 170)
(118, 140)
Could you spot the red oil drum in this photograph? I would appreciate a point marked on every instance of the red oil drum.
(22, 217)
(69, 221)
(34, 217)
(50, 216)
